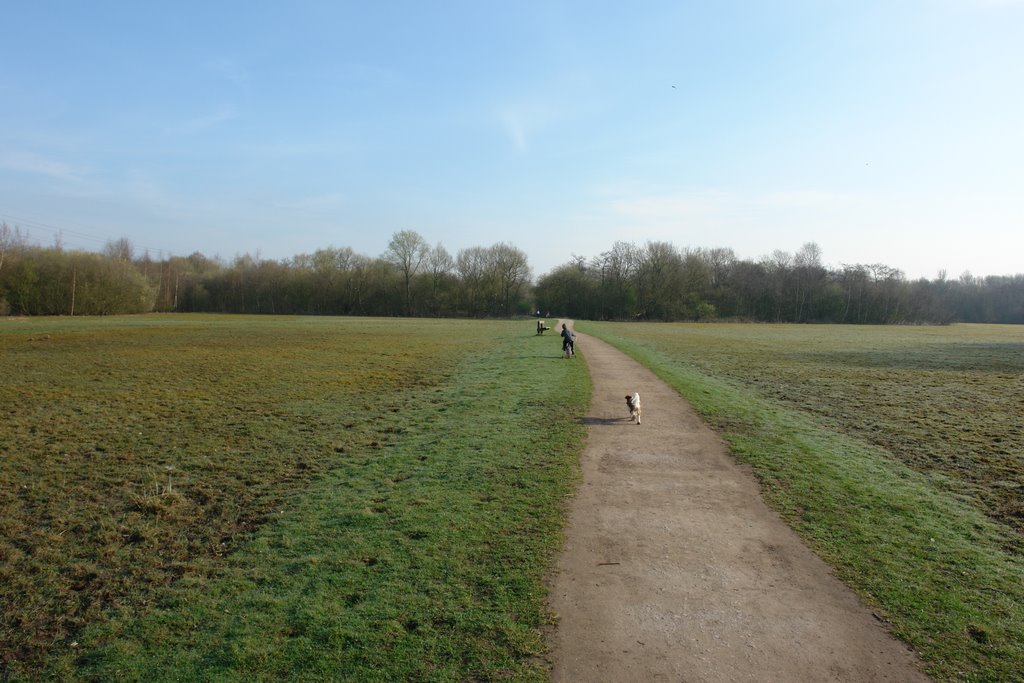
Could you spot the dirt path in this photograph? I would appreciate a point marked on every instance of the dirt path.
(675, 570)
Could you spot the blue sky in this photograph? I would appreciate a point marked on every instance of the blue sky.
(887, 132)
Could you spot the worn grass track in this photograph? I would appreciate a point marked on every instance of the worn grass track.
(227, 498)
(888, 449)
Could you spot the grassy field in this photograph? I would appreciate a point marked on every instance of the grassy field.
(898, 452)
(229, 498)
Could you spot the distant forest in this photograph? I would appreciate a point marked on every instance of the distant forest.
(658, 281)
(654, 281)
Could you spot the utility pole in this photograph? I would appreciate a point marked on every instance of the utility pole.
(74, 282)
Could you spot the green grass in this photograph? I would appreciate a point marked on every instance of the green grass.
(867, 441)
(228, 498)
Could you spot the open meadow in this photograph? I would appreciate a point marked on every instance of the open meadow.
(232, 498)
(897, 452)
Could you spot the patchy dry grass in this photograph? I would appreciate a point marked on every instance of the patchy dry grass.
(157, 470)
(897, 452)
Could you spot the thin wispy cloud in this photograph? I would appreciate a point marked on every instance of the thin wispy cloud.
(708, 202)
(990, 3)
(220, 115)
(318, 146)
(36, 164)
(717, 216)
(512, 123)
(328, 202)
(230, 69)
(522, 122)
(564, 99)
(367, 74)
(803, 199)
(657, 208)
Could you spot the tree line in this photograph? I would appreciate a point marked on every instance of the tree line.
(658, 281)
(410, 278)
(654, 281)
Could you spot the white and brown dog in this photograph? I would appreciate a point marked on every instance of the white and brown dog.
(633, 403)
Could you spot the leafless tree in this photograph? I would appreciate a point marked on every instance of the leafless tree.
(121, 249)
(471, 265)
(511, 272)
(439, 266)
(10, 239)
(407, 250)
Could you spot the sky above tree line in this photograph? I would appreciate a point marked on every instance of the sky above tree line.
(883, 131)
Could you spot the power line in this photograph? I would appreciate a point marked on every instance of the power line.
(62, 232)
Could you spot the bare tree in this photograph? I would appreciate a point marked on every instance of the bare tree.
(10, 239)
(658, 281)
(471, 265)
(439, 266)
(407, 250)
(720, 261)
(568, 290)
(615, 269)
(809, 278)
(121, 249)
(512, 273)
